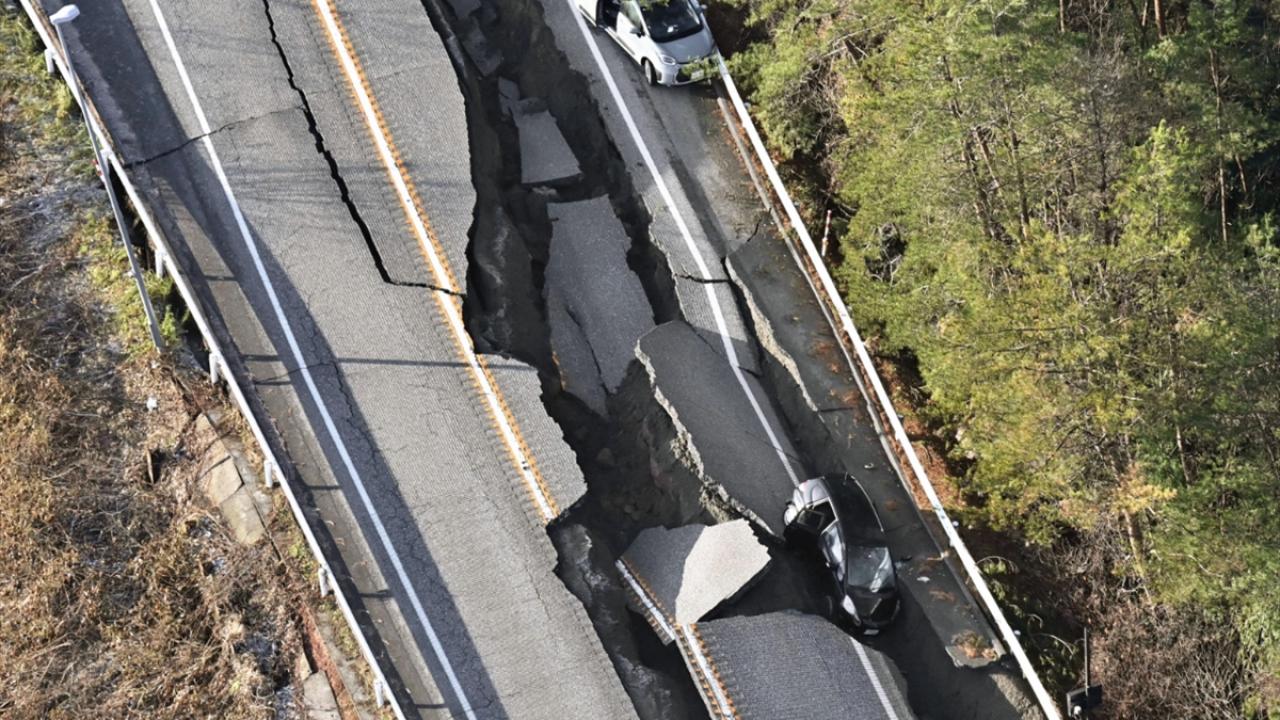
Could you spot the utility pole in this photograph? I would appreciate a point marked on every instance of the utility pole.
(1082, 700)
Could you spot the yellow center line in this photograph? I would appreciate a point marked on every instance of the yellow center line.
(501, 418)
(648, 590)
(696, 656)
(714, 673)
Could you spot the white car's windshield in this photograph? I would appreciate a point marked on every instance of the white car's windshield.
(869, 567)
(670, 19)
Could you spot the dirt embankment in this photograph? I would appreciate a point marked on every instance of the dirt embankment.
(123, 593)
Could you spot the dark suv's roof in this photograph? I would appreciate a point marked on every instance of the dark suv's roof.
(857, 517)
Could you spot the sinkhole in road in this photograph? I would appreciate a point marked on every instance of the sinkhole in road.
(513, 76)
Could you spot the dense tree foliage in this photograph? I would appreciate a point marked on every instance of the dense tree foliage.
(1062, 216)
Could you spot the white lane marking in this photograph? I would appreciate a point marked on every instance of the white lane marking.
(638, 589)
(251, 244)
(691, 642)
(451, 311)
(875, 680)
(692, 246)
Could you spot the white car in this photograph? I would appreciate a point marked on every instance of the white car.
(669, 38)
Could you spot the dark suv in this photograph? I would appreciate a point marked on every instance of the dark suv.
(834, 512)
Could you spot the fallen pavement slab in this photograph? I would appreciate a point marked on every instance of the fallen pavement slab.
(545, 157)
(588, 276)
(684, 573)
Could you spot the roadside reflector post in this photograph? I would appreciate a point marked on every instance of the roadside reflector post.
(268, 473)
(215, 361)
(323, 577)
(379, 693)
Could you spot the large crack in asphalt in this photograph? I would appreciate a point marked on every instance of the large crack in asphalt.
(132, 164)
(629, 486)
(638, 469)
(343, 191)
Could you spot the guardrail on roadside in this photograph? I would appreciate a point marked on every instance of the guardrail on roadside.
(827, 292)
(273, 470)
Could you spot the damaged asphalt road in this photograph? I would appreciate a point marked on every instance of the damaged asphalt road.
(676, 442)
(593, 279)
(435, 536)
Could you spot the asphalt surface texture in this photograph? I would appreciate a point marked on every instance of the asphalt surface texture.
(769, 664)
(714, 418)
(592, 293)
(343, 340)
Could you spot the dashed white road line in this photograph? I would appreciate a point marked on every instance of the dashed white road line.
(875, 680)
(692, 246)
(303, 366)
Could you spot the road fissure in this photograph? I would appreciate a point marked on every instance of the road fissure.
(665, 192)
(344, 192)
(448, 303)
(348, 464)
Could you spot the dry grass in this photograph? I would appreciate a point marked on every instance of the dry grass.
(121, 595)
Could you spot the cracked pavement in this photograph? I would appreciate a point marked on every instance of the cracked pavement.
(353, 286)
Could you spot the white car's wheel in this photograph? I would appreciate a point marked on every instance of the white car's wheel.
(650, 73)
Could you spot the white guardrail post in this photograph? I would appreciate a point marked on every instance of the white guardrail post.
(218, 367)
(833, 299)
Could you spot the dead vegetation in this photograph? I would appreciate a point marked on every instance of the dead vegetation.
(123, 596)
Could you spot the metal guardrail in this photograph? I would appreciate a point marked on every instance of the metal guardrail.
(273, 469)
(864, 367)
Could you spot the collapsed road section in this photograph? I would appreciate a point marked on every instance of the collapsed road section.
(708, 424)
(647, 359)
